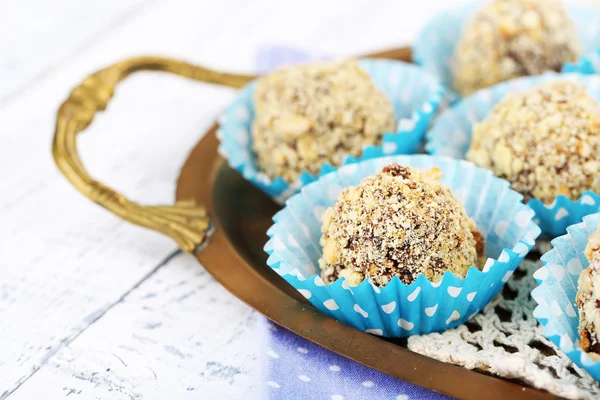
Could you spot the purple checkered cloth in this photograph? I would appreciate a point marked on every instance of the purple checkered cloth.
(294, 368)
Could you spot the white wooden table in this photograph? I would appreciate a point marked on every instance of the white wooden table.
(92, 307)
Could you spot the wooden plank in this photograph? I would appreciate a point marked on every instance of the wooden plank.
(34, 38)
(69, 260)
(66, 263)
(179, 335)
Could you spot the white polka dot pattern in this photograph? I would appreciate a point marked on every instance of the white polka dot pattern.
(412, 297)
(451, 136)
(507, 276)
(500, 228)
(397, 309)
(320, 374)
(390, 307)
(588, 200)
(430, 311)
(404, 324)
(453, 317)
(389, 148)
(561, 213)
(435, 43)
(557, 290)
(361, 311)
(332, 305)
(415, 96)
(574, 266)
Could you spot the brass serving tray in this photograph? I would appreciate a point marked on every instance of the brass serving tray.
(223, 219)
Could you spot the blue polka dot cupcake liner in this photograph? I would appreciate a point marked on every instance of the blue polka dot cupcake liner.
(587, 64)
(415, 96)
(399, 309)
(555, 295)
(451, 136)
(435, 43)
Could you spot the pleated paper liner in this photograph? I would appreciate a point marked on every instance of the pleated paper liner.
(435, 44)
(415, 95)
(587, 64)
(557, 290)
(398, 309)
(451, 136)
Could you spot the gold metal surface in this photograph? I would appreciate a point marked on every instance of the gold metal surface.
(185, 222)
(241, 214)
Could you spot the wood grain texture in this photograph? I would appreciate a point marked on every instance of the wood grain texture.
(34, 38)
(178, 335)
(73, 277)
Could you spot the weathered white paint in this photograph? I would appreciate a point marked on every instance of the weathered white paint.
(37, 36)
(88, 307)
(179, 335)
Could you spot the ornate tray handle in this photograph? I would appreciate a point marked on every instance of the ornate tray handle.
(185, 222)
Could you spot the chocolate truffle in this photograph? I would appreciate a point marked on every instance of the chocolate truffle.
(310, 115)
(545, 142)
(401, 222)
(512, 38)
(588, 299)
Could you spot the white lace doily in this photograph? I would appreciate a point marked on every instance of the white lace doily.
(506, 340)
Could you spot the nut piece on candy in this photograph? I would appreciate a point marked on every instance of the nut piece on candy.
(545, 142)
(320, 113)
(400, 222)
(511, 38)
(588, 299)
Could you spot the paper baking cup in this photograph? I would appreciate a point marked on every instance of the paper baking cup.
(451, 136)
(586, 64)
(398, 309)
(414, 94)
(555, 295)
(435, 44)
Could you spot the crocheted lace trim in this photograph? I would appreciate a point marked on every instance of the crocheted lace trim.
(506, 340)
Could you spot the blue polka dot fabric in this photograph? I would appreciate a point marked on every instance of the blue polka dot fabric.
(294, 368)
(270, 57)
